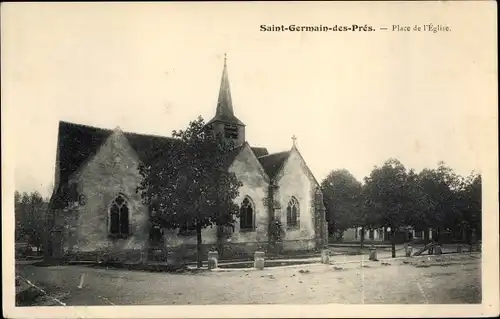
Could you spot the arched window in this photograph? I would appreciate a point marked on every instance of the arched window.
(293, 214)
(246, 215)
(119, 217)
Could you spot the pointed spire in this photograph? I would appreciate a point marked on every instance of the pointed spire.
(224, 111)
(225, 103)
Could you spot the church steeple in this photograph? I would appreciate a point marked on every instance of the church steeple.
(224, 121)
(224, 102)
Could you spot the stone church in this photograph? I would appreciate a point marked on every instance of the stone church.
(96, 210)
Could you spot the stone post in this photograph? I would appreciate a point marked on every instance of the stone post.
(409, 250)
(258, 260)
(321, 231)
(459, 248)
(325, 231)
(213, 257)
(325, 256)
(373, 254)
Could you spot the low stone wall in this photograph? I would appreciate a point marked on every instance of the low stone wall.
(299, 245)
(242, 250)
(189, 252)
(128, 255)
(230, 251)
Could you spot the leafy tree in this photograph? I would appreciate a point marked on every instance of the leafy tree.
(418, 206)
(440, 189)
(38, 209)
(474, 207)
(195, 189)
(18, 216)
(341, 193)
(387, 197)
(469, 206)
(30, 210)
(395, 197)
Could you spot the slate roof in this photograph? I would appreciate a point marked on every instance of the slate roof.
(77, 143)
(231, 155)
(229, 119)
(260, 151)
(272, 163)
(224, 111)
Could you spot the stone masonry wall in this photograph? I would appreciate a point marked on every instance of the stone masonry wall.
(294, 181)
(256, 186)
(114, 170)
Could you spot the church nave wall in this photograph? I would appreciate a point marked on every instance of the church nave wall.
(255, 187)
(113, 171)
(296, 186)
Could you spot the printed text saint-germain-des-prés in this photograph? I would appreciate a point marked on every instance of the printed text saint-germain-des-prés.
(315, 28)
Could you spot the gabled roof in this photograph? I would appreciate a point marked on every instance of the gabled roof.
(260, 151)
(77, 143)
(232, 154)
(272, 163)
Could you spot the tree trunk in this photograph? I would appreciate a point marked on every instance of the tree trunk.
(426, 234)
(393, 242)
(427, 246)
(362, 241)
(437, 238)
(198, 245)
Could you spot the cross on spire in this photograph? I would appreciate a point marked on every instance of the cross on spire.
(294, 138)
(224, 112)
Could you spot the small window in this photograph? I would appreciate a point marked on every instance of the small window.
(230, 131)
(119, 217)
(246, 215)
(292, 214)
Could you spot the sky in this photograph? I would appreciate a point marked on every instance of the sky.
(352, 99)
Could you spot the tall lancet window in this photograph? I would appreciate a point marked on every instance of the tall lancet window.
(293, 214)
(247, 220)
(119, 217)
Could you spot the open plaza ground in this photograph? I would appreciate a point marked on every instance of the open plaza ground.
(443, 279)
